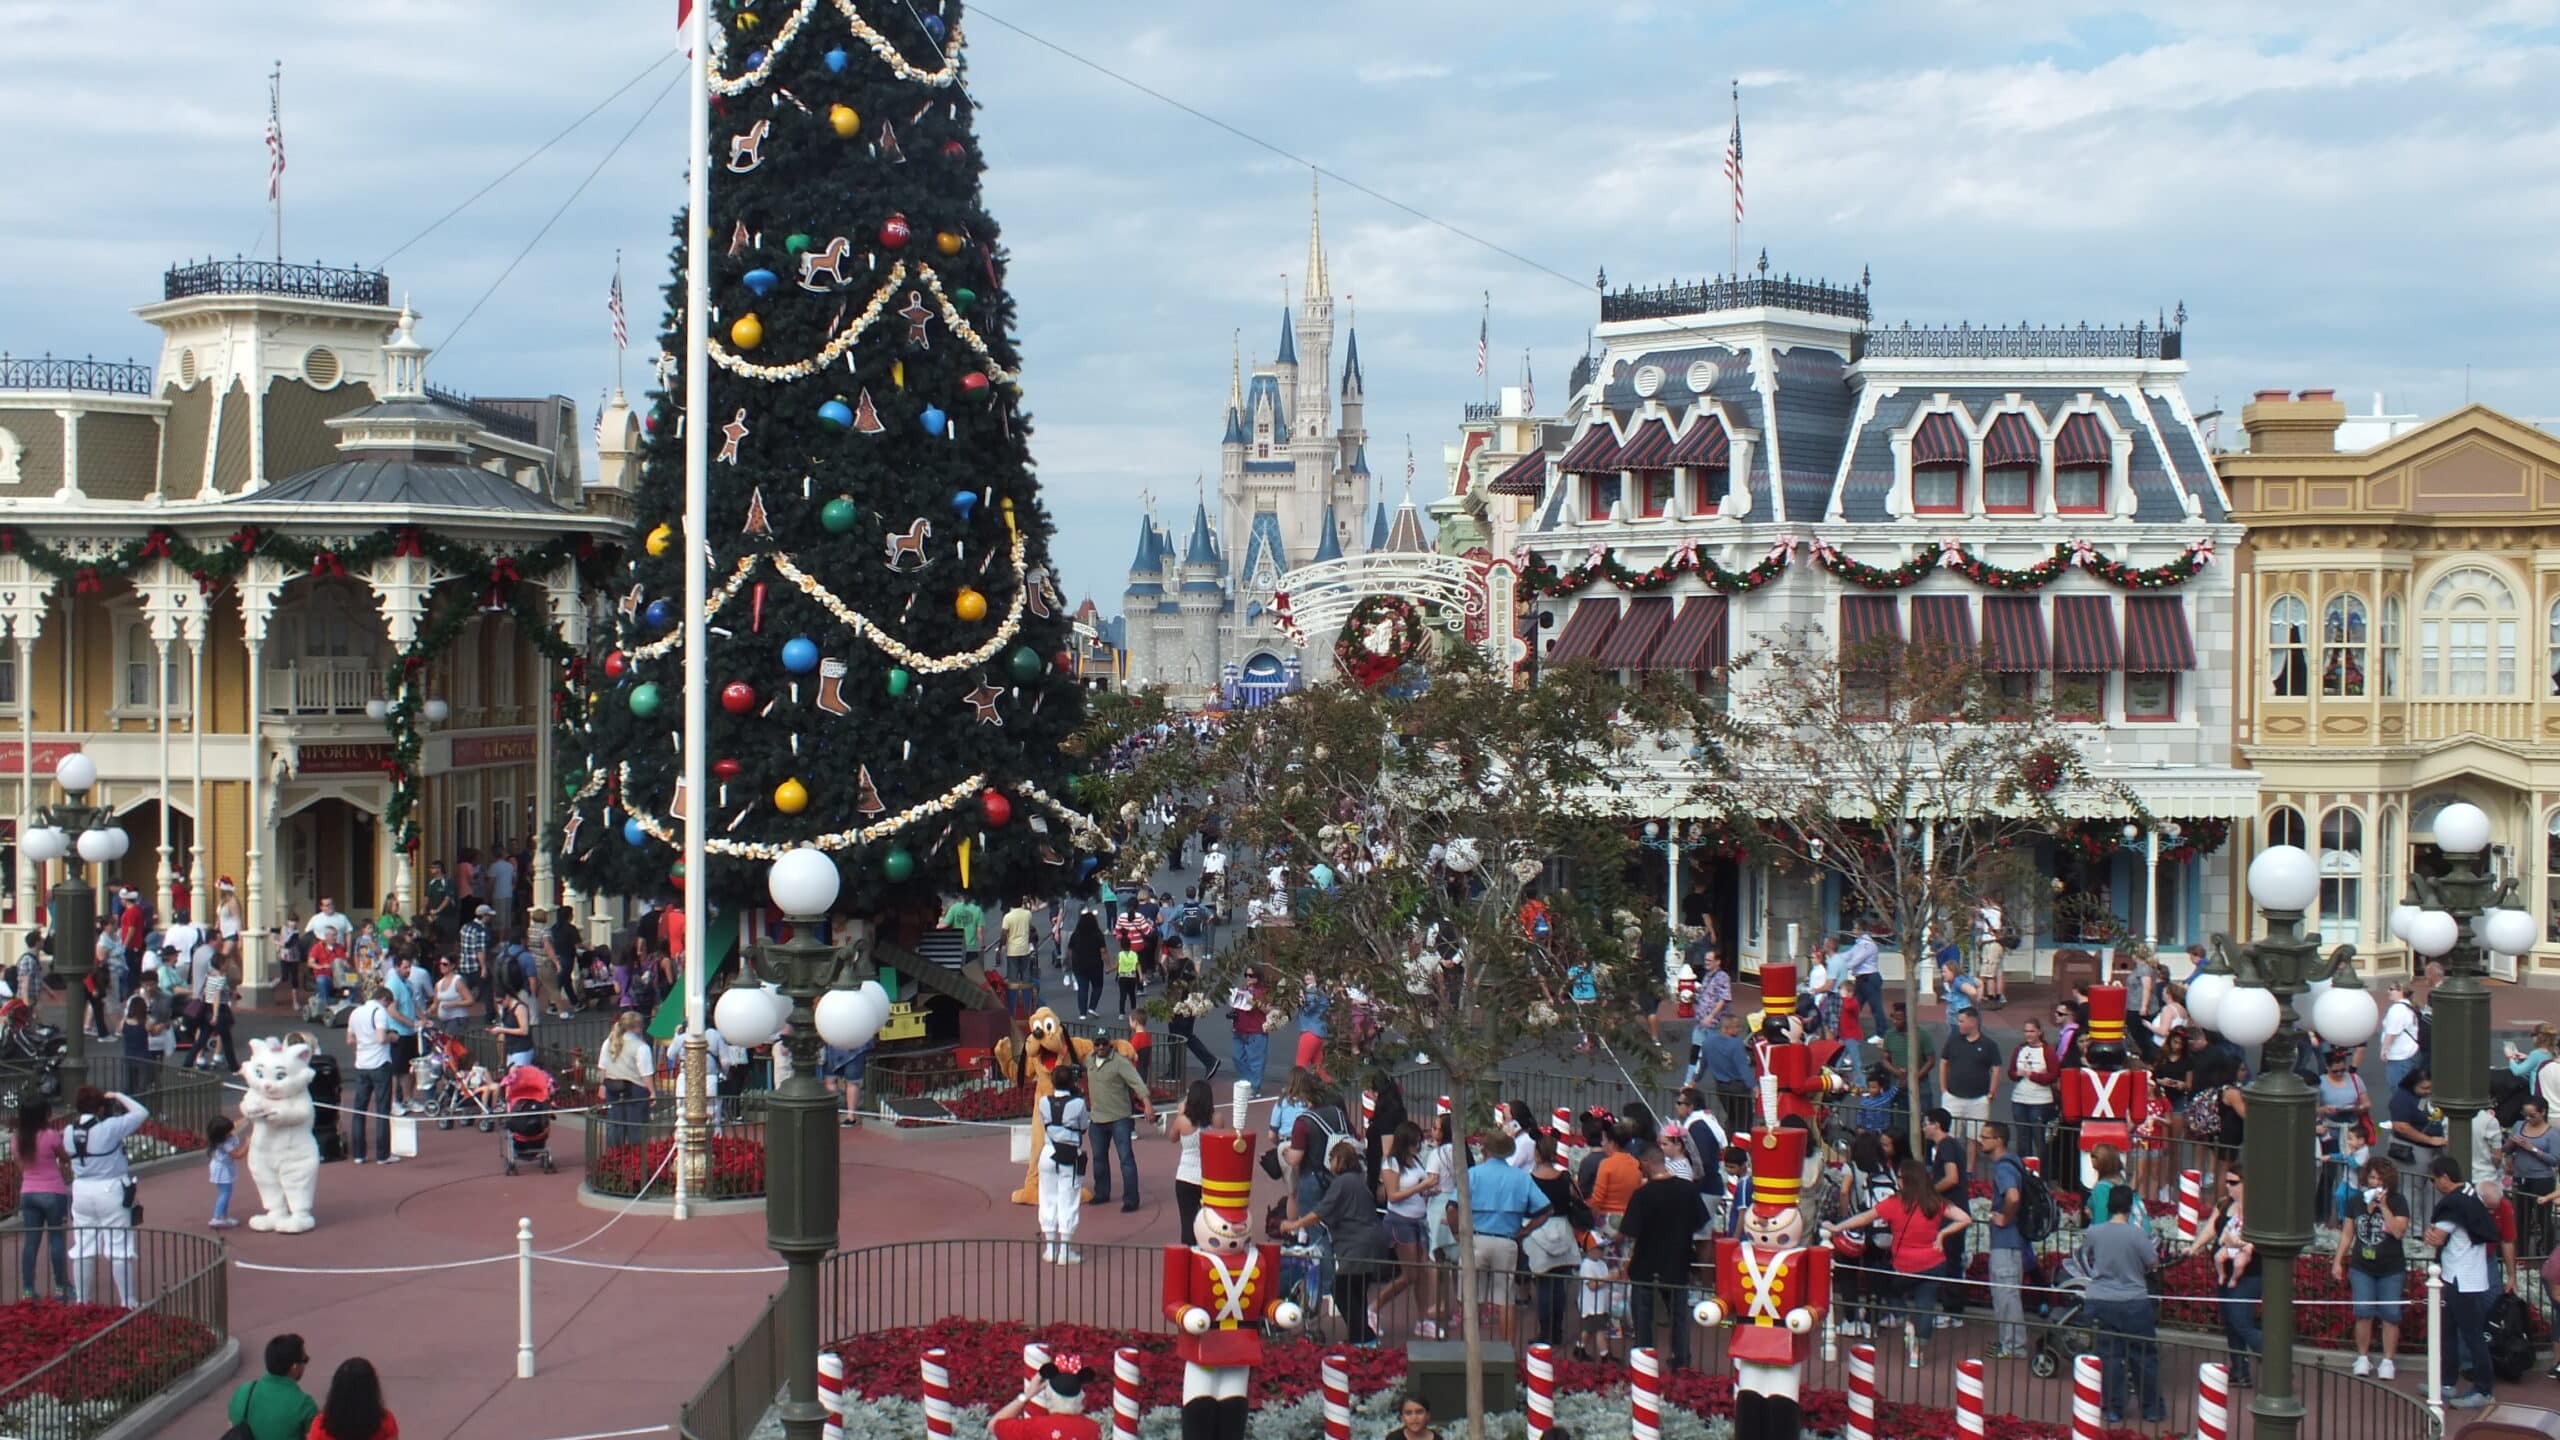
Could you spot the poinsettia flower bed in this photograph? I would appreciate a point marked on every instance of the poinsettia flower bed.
(989, 1101)
(143, 1354)
(737, 1168)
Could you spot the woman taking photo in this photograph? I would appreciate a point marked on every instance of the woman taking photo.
(1552, 1252)
(1085, 962)
(627, 1067)
(102, 1188)
(1063, 1121)
(1199, 1111)
(1921, 1223)
(1349, 1214)
(354, 1410)
(2236, 1279)
(44, 1197)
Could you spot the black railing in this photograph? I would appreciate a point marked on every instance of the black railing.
(1583, 370)
(108, 377)
(182, 1101)
(2021, 342)
(179, 1317)
(492, 418)
(1484, 410)
(271, 277)
(1756, 292)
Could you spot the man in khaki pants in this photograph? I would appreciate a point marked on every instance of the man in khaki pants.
(1987, 927)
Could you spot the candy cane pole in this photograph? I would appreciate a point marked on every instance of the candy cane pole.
(2190, 1204)
(1124, 1394)
(2213, 1401)
(831, 1393)
(1034, 1356)
(1862, 1392)
(1644, 1392)
(1969, 1399)
(938, 1418)
(2088, 1410)
(1542, 1390)
(1335, 1372)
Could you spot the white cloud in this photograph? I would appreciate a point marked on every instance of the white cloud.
(1394, 72)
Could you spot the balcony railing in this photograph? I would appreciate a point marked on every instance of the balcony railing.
(322, 690)
(1756, 292)
(2511, 720)
(1483, 410)
(107, 377)
(2021, 342)
(272, 277)
(491, 418)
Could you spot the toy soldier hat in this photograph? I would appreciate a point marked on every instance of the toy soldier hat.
(1777, 1167)
(1778, 989)
(2106, 1014)
(1226, 1174)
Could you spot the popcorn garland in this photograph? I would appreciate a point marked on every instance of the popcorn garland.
(863, 626)
(711, 605)
(846, 338)
(1539, 578)
(1087, 834)
(878, 44)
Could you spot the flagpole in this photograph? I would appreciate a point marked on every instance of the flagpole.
(691, 1169)
(275, 123)
(622, 345)
(1733, 183)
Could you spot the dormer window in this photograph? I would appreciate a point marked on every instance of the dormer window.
(1594, 458)
(1600, 495)
(2082, 456)
(2009, 459)
(1937, 466)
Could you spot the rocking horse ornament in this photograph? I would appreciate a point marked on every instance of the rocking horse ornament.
(1222, 1287)
(1771, 1287)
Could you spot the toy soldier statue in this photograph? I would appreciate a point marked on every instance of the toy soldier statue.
(1802, 1068)
(2099, 1095)
(1773, 1288)
(1220, 1288)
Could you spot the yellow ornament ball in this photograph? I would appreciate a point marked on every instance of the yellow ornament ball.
(947, 242)
(898, 373)
(790, 797)
(748, 333)
(846, 119)
(661, 538)
(969, 605)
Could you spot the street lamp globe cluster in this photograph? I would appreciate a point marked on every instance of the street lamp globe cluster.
(74, 826)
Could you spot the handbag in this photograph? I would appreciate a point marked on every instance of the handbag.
(1551, 1246)
(242, 1431)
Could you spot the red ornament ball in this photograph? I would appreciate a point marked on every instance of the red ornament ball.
(973, 382)
(998, 805)
(895, 232)
(616, 664)
(738, 697)
(726, 769)
(954, 150)
(1066, 661)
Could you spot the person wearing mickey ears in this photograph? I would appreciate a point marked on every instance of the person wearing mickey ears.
(1058, 1390)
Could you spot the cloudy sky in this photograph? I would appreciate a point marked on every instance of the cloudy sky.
(2350, 193)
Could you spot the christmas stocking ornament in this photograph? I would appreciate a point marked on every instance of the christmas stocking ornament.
(831, 687)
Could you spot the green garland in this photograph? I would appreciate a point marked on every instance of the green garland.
(1867, 577)
(1539, 578)
(1981, 572)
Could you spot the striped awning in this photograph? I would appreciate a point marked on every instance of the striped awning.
(2082, 442)
(1631, 644)
(1585, 631)
(1524, 476)
(2013, 634)
(1696, 640)
(2084, 635)
(1595, 453)
(1868, 619)
(2011, 441)
(1703, 445)
(2155, 635)
(1945, 621)
(1940, 441)
(1647, 449)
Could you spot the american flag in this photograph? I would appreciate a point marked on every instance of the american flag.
(599, 425)
(1528, 387)
(613, 307)
(1484, 333)
(1733, 159)
(275, 134)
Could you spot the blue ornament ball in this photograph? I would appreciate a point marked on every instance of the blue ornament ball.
(632, 832)
(934, 27)
(799, 655)
(660, 614)
(761, 281)
(836, 415)
(934, 420)
(837, 60)
(755, 59)
(964, 501)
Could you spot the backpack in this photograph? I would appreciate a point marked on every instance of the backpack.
(1194, 918)
(2204, 1113)
(2510, 1337)
(2038, 1215)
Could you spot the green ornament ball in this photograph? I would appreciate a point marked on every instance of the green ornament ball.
(644, 700)
(898, 865)
(899, 680)
(838, 515)
(1025, 663)
(796, 243)
(964, 297)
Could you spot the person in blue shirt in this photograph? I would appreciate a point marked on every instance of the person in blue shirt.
(1506, 1205)
(1727, 1062)
(409, 993)
(1962, 991)
(2009, 1248)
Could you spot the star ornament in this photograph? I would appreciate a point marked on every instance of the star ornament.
(731, 434)
(985, 698)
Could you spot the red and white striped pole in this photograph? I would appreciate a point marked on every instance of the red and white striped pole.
(1124, 1394)
(1644, 1392)
(2088, 1410)
(831, 1392)
(1034, 1356)
(1862, 1392)
(2213, 1401)
(1969, 1399)
(1542, 1390)
(1335, 1373)
(1368, 1110)
(2190, 1204)
(939, 1419)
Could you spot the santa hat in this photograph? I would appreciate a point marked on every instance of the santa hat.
(1226, 1174)
(1777, 1168)
(1778, 989)
(2106, 1014)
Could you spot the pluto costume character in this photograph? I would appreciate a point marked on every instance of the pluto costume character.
(284, 1160)
(1049, 1047)
(1221, 1288)
(2099, 1095)
(1774, 1288)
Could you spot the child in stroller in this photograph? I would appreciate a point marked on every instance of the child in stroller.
(456, 1086)
(528, 1092)
(2063, 1306)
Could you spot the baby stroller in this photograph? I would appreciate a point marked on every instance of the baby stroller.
(593, 989)
(2068, 1332)
(455, 1087)
(527, 1093)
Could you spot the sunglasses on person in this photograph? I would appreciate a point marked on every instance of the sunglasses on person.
(2230, 1179)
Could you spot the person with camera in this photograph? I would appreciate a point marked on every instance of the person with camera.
(104, 1208)
(1063, 1120)
(2372, 1261)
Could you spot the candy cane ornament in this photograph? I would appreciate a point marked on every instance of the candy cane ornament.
(1862, 1392)
(939, 1417)
(1034, 1356)
(1124, 1394)
(2213, 1401)
(1644, 1392)
(1335, 1374)
(1542, 1390)
(2088, 1411)
(1969, 1398)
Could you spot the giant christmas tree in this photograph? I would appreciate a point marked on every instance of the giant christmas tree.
(887, 645)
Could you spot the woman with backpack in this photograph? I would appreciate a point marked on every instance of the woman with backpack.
(1063, 1121)
(103, 1208)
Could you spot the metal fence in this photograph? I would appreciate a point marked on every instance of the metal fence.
(637, 1157)
(866, 1294)
(182, 1284)
(182, 1102)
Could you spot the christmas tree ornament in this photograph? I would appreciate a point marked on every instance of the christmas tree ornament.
(747, 332)
(760, 281)
(836, 415)
(660, 538)
(644, 699)
(909, 544)
(1025, 663)
(1066, 661)
(675, 874)
(934, 28)
(827, 262)
(963, 298)
(838, 515)
(845, 119)
(649, 424)
(898, 865)
(683, 801)
(966, 502)
(660, 614)
(755, 612)
(866, 417)
(973, 382)
(889, 144)
(791, 244)
(737, 697)
(799, 654)
(898, 373)
(969, 605)
(866, 798)
(732, 433)
(616, 664)
(738, 243)
(954, 150)
(758, 522)
(837, 59)
(964, 862)
(998, 806)
(755, 59)
(725, 769)
(629, 604)
(746, 151)
(918, 316)
(948, 242)
(831, 673)
(983, 700)
(634, 832)
(899, 679)
(895, 232)
(934, 420)
(791, 797)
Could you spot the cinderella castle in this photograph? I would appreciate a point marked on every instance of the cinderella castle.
(1293, 488)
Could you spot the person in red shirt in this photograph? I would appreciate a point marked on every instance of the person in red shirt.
(1055, 1400)
(354, 1409)
(2502, 1209)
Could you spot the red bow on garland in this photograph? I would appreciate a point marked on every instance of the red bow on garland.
(502, 571)
(409, 546)
(85, 581)
(246, 538)
(327, 563)
(155, 546)
(206, 583)
(8, 542)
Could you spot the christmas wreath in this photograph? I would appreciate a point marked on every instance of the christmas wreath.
(1383, 633)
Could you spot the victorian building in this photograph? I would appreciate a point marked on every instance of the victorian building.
(2399, 598)
(220, 575)
(1766, 425)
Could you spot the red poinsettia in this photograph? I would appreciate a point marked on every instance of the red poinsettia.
(133, 1360)
(737, 1167)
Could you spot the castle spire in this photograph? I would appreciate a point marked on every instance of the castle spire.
(1318, 283)
(1235, 373)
